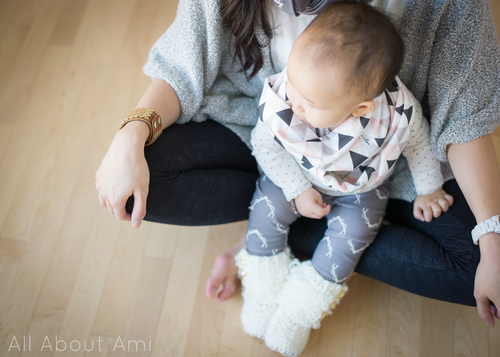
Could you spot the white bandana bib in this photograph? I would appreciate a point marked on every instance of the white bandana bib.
(356, 155)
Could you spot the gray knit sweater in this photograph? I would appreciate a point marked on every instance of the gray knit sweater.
(452, 65)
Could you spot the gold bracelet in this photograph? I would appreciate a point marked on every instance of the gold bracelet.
(148, 116)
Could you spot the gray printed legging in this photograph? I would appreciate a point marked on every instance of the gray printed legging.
(353, 223)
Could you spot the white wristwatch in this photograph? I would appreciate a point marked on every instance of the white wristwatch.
(488, 226)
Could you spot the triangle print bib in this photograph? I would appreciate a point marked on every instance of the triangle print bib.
(355, 156)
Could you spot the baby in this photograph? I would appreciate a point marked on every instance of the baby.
(332, 125)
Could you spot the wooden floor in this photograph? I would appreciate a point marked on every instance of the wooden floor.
(73, 278)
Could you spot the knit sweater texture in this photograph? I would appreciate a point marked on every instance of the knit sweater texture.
(451, 65)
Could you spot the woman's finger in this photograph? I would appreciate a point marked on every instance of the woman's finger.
(102, 202)
(119, 211)
(484, 311)
(139, 210)
(109, 206)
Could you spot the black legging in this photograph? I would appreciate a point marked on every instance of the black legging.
(200, 174)
(203, 174)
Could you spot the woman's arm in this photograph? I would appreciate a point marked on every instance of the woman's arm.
(475, 167)
(124, 171)
(161, 97)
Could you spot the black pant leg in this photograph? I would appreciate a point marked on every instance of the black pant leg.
(200, 174)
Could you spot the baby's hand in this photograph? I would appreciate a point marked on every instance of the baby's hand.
(432, 205)
(310, 204)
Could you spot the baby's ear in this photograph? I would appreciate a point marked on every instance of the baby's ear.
(364, 108)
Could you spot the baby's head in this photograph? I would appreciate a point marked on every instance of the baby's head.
(346, 57)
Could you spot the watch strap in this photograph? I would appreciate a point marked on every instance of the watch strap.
(148, 116)
(485, 227)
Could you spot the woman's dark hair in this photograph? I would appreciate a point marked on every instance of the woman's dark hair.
(243, 19)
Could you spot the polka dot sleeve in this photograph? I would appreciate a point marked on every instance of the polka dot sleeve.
(424, 166)
(277, 163)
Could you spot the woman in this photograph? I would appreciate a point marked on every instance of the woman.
(200, 170)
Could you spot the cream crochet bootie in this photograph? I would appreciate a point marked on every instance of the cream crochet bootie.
(305, 300)
(262, 278)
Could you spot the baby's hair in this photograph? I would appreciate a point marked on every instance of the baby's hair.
(360, 38)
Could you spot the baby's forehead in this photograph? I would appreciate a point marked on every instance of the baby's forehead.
(314, 62)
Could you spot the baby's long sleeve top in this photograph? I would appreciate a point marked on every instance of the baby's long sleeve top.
(293, 177)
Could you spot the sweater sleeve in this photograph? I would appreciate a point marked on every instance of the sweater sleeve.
(187, 56)
(424, 167)
(464, 77)
(278, 164)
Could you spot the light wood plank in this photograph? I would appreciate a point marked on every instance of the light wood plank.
(11, 253)
(8, 10)
(166, 15)
(337, 330)
(50, 161)
(470, 333)
(45, 227)
(68, 24)
(51, 127)
(15, 93)
(128, 54)
(206, 329)
(370, 324)
(146, 307)
(48, 318)
(39, 252)
(234, 342)
(18, 154)
(118, 293)
(495, 8)
(494, 340)
(89, 286)
(65, 168)
(105, 346)
(162, 241)
(403, 332)
(436, 334)
(18, 19)
(180, 296)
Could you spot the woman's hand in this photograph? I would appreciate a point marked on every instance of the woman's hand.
(482, 191)
(124, 172)
(487, 283)
(432, 205)
(310, 204)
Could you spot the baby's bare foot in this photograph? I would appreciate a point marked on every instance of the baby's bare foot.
(225, 274)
